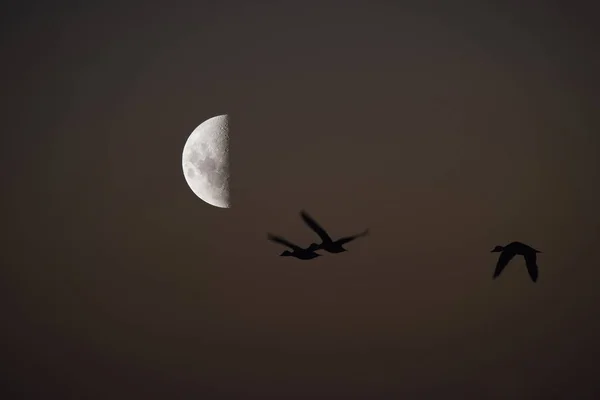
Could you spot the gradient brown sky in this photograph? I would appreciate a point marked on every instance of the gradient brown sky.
(444, 128)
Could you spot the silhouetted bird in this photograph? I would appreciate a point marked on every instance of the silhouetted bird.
(511, 250)
(297, 251)
(327, 244)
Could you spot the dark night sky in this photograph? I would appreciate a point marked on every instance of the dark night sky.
(445, 128)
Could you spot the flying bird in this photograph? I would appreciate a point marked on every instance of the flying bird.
(297, 251)
(517, 248)
(328, 244)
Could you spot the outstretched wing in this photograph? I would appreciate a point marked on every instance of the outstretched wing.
(503, 260)
(532, 268)
(280, 240)
(315, 227)
(347, 239)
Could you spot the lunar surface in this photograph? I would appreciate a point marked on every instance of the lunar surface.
(205, 161)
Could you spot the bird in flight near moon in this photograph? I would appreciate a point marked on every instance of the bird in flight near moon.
(517, 248)
(328, 244)
(309, 252)
(297, 251)
(205, 161)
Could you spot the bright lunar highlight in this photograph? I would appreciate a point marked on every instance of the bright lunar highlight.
(205, 161)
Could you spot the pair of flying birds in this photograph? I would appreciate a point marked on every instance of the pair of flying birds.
(327, 243)
(507, 252)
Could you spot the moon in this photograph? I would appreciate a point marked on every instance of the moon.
(205, 161)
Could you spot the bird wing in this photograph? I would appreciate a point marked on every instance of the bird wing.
(347, 239)
(280, 240)
(315, 226)
(503, 260)
(526, 246)
(532, 268)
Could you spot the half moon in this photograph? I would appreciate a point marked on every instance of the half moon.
(205, 161)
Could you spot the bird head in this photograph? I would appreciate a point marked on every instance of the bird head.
(286, 253)
(497, 249)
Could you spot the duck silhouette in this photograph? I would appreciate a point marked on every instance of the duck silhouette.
(328, 244)
(517, 248)
(297, 251)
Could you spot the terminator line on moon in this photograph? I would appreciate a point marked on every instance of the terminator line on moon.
(205, 161)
